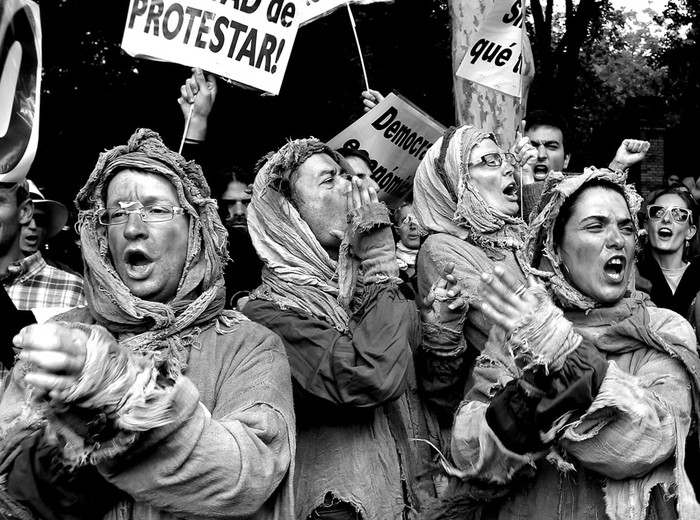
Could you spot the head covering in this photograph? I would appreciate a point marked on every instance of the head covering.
(298, 272)
(56, 212)
(540, 250)
(445, 201)
(161, 328)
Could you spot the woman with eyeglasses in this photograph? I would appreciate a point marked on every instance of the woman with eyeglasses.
(466, 196)
(585, 393)
(664, 269)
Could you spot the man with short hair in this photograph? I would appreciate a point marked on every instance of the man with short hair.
(31, 283)
(549, 134)
(330, 290)
(153, 401)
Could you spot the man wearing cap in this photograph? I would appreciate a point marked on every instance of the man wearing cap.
(50, 216)
(30, 282)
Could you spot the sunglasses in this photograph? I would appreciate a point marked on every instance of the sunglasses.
(495, 159)
(680, 215)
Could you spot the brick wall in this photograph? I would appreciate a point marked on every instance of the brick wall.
(652, 167)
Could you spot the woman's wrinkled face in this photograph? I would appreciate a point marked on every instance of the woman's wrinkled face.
(148, 256)
(495, 184)
(597, 245)
(666, 235)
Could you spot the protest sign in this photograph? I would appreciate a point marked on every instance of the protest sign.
(396, 134)
(495, 58)
(247, 41)
(20, 87)
(314, 9)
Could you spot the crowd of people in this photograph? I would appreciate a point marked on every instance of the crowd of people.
(282, 345)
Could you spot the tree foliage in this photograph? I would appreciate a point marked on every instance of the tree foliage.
(591, 59)
(679, 54)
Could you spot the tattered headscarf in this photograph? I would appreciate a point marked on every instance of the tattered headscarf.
(445, 201)
(298, 272)
(160, 328)
(540, 249)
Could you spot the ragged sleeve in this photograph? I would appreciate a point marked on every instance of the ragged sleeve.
(362, 368)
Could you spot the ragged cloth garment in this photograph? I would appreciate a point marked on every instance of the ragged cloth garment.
(621, 458)
(465, 230)
(348, 331)
(214, 432)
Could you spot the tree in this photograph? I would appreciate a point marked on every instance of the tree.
(616, 65)
(557, 47)
(680, 54)
(591, 58)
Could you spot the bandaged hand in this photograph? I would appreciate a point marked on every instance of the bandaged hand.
(55, 355)
(561, 373)
(80, 364)
(444, 304)
(369, 232)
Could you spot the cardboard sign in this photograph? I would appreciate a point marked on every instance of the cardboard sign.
(314, 9)
(20, 87)
(397, 135)
(247, 41)
(495, 58)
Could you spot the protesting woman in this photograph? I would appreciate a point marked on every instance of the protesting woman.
(582, 400)
(673, 279)
(467, 198)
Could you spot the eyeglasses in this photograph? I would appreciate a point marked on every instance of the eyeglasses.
(155, 213)
(407, 221)
(495, 159)
(680, 215)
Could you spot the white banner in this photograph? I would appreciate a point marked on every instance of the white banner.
(20, 87)
(495, 59)
(314, 9)
(396, 134)
(247, 41)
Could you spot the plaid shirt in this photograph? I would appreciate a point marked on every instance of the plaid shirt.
(33, 285)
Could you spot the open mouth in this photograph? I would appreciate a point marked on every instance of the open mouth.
(511, 192)
(540, 172)
(614, 268)
(664, 232)
(138, 264)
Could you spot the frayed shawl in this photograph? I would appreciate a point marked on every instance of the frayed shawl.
(625, 321)
(445, 201)
(163, 330)
(540, 250)
(298, 273)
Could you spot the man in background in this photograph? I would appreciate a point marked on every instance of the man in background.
(30, 282)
